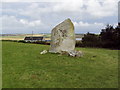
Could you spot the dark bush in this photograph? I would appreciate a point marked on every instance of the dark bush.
(91, 40)
(110, 37)
(79, 44)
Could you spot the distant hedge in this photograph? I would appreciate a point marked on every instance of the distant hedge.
(10, 40)
(37, 42)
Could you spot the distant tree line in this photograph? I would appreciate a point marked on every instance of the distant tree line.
(108, 38)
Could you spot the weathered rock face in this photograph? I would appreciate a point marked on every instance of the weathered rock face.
(72, 53)
(63, 37)
(75, 53)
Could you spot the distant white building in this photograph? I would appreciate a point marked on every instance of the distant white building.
(33, 39)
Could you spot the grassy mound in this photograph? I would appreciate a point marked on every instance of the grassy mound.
(24, 67)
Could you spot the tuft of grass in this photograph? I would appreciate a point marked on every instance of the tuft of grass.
(24, 67)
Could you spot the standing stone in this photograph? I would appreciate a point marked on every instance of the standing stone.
(63, 37)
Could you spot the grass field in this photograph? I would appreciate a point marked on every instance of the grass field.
(19, 36)
(24, 67)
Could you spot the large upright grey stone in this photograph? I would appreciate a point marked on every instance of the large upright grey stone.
(63, 37)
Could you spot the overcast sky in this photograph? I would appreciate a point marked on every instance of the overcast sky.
(41, 17)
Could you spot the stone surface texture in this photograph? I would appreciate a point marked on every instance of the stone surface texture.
(63, 37)
(43, 52)
(75, 53)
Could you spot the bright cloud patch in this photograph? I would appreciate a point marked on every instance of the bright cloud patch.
(93, 27)
(31, 23)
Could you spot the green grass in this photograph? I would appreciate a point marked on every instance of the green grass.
(24, 67)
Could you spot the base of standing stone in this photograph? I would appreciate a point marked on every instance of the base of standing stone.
(73, 53)
(68, 53)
